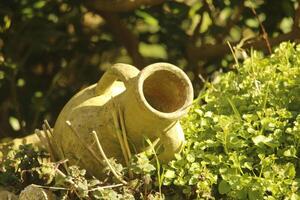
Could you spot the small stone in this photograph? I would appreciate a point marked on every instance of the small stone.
(33, 192)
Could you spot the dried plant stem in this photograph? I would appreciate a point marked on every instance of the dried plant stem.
(159, 177)
(63, 162)
(44, 139)
(91, 190)
(92, 152)
(106, 187)
(119, 135)
(54, 143)
(41, 137)
(50, 187)
(233, 54)
(50, 146)
(48, 127)
(106, 159)
(124, 134)
(60, 173)
(47, 140)
(125, 139)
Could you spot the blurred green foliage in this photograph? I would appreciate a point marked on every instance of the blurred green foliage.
(51, 49)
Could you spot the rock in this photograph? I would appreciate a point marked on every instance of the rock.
(32, 192)
(6, 195)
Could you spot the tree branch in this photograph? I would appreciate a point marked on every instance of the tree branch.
(211, 10)
(235, 17)
(124, 36)
(297, 18)
(120, 5)
(213, 51)
(264, 33)
(193, 61)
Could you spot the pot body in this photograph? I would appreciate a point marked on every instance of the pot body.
(151, 102)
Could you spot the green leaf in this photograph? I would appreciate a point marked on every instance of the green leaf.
(290, 152)
(224, 187)
(190, 158)
(153, 50)
(147, 17)
(15, 124)
(253, 195)
(169, 174)
(194, 179)
(39, 4)
(261, 139)
(295, 196)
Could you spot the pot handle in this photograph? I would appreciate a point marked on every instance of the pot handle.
(119, 71)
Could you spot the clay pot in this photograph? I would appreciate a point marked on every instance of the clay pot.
(151, 101)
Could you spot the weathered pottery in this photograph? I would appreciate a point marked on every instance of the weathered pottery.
(151, 102)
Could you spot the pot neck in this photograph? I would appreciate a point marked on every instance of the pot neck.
(163, 91)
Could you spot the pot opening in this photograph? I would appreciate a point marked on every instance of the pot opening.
(165, 91)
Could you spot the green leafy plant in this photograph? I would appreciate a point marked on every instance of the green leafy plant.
(25, 165)
(243, 133)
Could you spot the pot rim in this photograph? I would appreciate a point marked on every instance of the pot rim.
(151, 69)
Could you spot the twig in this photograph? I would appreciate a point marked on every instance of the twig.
(265, 34)
(233, 54)
(106, 159)
(92, 152)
